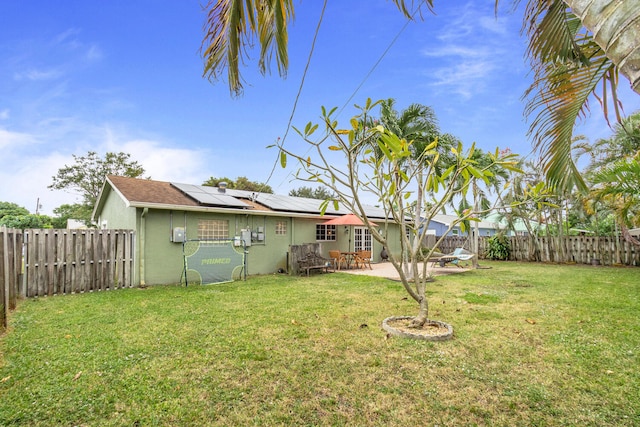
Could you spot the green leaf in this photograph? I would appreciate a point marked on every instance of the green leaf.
(335, 148)
(384, 149)
(446, 173)
(475, 172)
(283, 159)
(323, 206)
(309, 128)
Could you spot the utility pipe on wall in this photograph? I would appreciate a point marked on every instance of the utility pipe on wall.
(143, 228)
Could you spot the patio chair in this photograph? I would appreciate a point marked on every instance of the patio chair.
(364, 258)
(336, 259)
(459, 254)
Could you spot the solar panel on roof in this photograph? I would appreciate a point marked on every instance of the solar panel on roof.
(290, 204)
(230, 198)
(210, 196)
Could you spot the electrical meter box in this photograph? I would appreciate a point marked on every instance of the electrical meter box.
(178, 235)
(245, 235)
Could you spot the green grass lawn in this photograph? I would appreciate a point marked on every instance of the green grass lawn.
(540, 345)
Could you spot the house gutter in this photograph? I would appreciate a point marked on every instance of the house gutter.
(143, 228)
(223, 210)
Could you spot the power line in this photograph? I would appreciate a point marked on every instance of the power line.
(384, 53)
(366, 77)
(295, 103)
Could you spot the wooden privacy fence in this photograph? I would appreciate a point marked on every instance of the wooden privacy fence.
(10, 271)
(607, 250)
(69, 261)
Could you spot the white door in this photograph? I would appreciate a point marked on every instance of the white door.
(362, 239)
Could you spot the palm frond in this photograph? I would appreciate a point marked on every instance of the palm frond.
(563, 84)
(410, 8)
(230, 29)
(621, 178)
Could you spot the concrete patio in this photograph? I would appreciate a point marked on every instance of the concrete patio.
(386, 270)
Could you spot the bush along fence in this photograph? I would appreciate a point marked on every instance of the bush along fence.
(10, 271)
(602, 250)
(70, 261)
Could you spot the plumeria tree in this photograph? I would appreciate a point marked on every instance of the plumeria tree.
(377, 164)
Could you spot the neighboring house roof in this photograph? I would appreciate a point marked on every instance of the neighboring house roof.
(146, 193)
(517, 226)
(446, 220)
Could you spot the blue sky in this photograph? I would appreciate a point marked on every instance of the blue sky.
(126, 76)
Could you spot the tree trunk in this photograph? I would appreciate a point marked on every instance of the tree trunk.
(476, 226)
(423, 314)
(615, 25)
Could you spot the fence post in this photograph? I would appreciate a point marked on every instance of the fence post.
(4, 279)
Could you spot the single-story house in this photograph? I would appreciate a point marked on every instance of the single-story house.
(166, 214)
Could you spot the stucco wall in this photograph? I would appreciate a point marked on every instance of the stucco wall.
(116, 214)
(160, 261)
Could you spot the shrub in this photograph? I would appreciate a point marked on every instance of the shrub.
(499, 247)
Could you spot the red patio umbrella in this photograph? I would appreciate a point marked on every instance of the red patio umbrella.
(347, 220)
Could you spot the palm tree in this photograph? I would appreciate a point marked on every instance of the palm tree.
(418, 124)
(569, 66)
(614, 174)
(617, 186)
(232, 24)
(575, 45)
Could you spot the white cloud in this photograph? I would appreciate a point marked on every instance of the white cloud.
(164, 163)
(9, 140)
(38, 75)
(27, 172)
(4, 114)
(25, 180)
(452, 50)
(473, 52)
(94, 53)
(67, 36)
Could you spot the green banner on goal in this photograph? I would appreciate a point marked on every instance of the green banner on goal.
(212, 261)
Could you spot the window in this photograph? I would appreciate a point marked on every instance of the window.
(325, 232)
(213, 229)
(455, 232)
(281, 227)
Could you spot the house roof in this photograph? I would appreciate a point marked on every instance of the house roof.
(148, 191)
(446, 220)
(168, 195)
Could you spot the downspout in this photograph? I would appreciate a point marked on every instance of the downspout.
(143, 227)
(292, 241)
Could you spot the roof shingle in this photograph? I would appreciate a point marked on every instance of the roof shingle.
(148, 191)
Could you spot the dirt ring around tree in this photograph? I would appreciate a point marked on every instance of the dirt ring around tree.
(433, 330)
